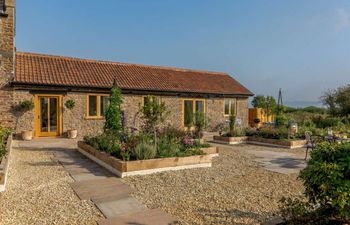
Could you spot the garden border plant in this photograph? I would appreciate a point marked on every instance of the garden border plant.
(155, 142)
(327, 188)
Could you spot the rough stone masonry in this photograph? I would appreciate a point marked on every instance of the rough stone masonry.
(7, 49)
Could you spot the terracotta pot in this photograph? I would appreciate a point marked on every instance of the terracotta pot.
(27, 135)
(72, 134)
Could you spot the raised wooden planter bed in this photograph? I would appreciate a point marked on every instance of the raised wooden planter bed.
(230, 140)
(261, 141)
(4, 164)
(140, 167)
(277, 143)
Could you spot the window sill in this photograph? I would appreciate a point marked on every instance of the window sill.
(94, 118)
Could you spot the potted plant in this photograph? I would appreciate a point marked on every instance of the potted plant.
(25, 106)
(71, 133)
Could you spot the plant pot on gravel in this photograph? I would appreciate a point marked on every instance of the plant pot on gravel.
(23, 107)
(72, 134)
(27, 135)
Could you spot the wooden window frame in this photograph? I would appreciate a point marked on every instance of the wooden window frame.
(193, 108)
(98, 105)
(230, 106)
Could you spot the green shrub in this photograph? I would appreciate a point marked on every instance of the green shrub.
(144, 150)
(327, 184)
(232, 123)
(168, 146)
(200, 124)
(4, 133)
(113, 113)
(281, 120)
(250, 132)
(70, 104)
(26, 105)
(109, 142)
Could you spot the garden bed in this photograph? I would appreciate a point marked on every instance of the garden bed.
(4, 164)
(277, 143)
(139, 167)
(230, 140)
(261, 141)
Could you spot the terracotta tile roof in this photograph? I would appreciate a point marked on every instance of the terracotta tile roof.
(57, 70)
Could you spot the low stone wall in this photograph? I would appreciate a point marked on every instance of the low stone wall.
(261, 141)
(5, 164)
(129, 168)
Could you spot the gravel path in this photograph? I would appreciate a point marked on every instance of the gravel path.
(38, 192)
(236, 190)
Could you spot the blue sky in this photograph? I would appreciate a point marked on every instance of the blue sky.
(300, 46)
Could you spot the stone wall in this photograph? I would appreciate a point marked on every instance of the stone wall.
(7, 33)
(76, 118)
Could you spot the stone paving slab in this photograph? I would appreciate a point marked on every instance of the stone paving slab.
(121, 206)
(280, 162)
(145, 217)
(100, 188)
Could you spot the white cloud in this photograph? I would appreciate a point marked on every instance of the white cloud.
(343, 19)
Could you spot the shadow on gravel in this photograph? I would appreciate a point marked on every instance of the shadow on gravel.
(223, 215)
(290, 163)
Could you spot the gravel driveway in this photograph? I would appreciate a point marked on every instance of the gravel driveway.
(236, 190)
(38, 192)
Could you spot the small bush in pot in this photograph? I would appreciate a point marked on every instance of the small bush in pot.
(71, 133)
(70, 104)
(26, 106)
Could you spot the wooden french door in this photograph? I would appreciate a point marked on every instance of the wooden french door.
(48, 115)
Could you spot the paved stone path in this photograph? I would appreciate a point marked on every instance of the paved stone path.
(92, 182)
(280, 162)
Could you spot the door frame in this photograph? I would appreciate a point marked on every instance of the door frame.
(37, 115)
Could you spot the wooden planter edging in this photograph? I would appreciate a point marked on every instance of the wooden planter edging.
(5, 164)
(277, 143)
(140, 167)
(230, 140)
(261, 141)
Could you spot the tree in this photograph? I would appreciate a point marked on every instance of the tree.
(337, 101)
(270, 105)
(113, 113)
(259, 101)
(329, 99)
(267, 103)
(153, 113)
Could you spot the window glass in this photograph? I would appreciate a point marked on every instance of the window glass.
(53, 114)
(227, 106)
(92, 105)
(232, 106)
(199, 106)
(188, 113)
(103, 104)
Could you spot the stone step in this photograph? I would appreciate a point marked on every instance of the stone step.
(145, 217)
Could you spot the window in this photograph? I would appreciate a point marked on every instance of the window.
(190, 107)
(97, 105)
(230, 106)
